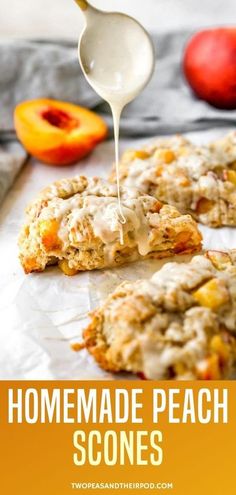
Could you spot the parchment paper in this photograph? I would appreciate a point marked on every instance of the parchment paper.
(42, 314)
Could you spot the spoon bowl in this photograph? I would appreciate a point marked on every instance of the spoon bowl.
(116, 54)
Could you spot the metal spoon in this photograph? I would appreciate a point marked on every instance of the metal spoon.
(117, 57)
(116, 54)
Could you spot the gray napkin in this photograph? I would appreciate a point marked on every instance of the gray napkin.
(51, 69)
(12, 158)
(33, 69)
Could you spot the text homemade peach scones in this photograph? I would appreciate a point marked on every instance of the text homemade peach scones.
(200, 180)
(180, 324)
(74, 223)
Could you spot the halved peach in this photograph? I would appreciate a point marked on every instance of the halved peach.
(56, 132)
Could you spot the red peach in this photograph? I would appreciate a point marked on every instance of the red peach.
(209, 66)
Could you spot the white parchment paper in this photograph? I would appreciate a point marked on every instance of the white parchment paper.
(42, 314)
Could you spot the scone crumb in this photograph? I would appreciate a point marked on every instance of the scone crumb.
(78, 346)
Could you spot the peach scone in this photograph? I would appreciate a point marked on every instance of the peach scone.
(199, 180)
(75, 223)
(180, 324)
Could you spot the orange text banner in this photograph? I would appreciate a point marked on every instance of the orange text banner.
(60, 438)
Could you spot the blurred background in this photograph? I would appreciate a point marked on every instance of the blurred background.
(62, 19)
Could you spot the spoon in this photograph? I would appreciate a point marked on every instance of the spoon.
(117, 58)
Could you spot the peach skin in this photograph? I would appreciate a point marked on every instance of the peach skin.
(56, 132)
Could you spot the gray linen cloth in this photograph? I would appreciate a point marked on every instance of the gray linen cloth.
(33, 69)
(12, 158)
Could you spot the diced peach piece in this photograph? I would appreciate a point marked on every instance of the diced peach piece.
(219, 259)
(230, 175)
(141, 154)
(181, 241)
(221, 348)
(165, 155)
(49, 234)
(65, 268)
(204, 205)
(159, 170)
(30, 264)
(209, 368)
(131, 155)
(212, 294)
(156, 207)
(179, 369)
(183, 181)
(56, 132)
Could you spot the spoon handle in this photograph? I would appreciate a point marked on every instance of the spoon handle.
(83, 4)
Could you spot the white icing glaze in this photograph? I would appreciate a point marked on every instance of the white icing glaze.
(117, 57)
(97, 206)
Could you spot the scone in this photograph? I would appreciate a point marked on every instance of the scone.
(199, 180)
(75, 223)
(180, 324)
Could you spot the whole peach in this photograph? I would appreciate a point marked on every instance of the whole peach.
(209, 66)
